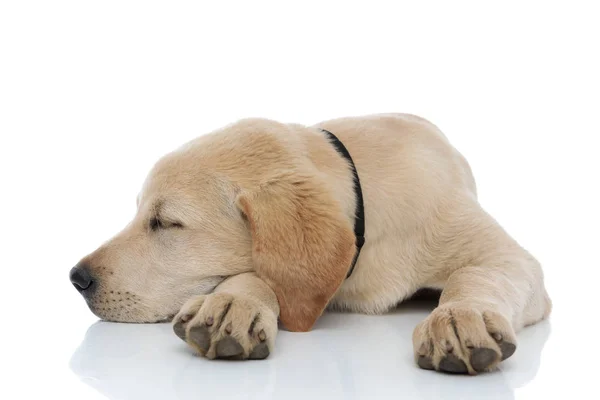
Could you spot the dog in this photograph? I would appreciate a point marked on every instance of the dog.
(254, 224)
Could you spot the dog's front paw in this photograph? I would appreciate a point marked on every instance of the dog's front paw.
(221, 325)
(459, 338)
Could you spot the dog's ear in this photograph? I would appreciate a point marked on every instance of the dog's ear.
(302, 245)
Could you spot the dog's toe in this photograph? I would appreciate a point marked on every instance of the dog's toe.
(508, 349)
(482, 358)
(425, 362)
(228, 347)
(179, 329)
(260, 352)
(199, 336)
(453, 364)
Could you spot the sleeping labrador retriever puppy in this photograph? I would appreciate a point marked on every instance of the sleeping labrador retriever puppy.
(260, 222)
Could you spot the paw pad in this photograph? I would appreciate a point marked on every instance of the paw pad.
(200, 336)
(481, 358)
(179, 329)
(508, 349)
(425, 362)
(453, 364)
(229, 347)
(260, 352)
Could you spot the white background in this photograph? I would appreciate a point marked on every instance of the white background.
(93, 92)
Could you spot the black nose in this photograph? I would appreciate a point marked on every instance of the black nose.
(80, 277)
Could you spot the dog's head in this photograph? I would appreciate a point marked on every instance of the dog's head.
(245, 198)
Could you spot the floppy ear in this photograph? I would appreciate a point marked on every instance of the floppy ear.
(302, 246)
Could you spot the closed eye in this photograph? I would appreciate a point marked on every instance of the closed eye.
(157, 223)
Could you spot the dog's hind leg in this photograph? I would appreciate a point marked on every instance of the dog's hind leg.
(482, 306)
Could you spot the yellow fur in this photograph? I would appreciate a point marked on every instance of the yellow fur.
(271, 206)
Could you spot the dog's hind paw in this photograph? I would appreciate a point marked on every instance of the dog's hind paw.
(462, 339)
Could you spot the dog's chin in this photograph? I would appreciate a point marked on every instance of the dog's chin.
(127, 311)
(162, 320)
(133, 316)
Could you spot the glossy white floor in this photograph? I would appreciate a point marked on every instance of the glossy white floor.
(346, 357)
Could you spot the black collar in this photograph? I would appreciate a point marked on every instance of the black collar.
(359, 221)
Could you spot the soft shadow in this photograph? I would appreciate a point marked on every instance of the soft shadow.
(347, 356)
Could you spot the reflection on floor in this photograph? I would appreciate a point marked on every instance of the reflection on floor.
(346, 356)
